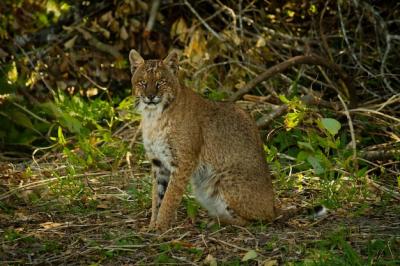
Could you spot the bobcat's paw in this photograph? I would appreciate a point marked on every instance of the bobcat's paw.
(152, 225)
(162, 226)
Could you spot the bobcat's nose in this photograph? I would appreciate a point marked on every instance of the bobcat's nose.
(152, 99)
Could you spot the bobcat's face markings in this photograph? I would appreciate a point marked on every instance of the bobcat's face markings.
(150, 85)
(154, 94)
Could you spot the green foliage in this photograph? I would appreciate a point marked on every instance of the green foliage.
(163, 258)
(296, 114)
(192, 207)
(11, 235)
(311, 147)
(166, 251)
(92, 123)
(315, 147)
(71, 188)
(50, 246)
(216, 95)
(336, 249)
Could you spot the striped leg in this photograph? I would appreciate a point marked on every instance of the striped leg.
(160, 183)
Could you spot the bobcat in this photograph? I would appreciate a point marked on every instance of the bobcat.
(215, 145)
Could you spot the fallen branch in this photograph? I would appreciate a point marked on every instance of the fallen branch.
(393, 193)
(382, 154)
(294, 61)
(228, 244)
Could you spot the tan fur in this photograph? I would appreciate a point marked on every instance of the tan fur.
(214, 145)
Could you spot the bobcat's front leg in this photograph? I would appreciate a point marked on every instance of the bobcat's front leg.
(154, 201)
(173, 196)
(161, 176)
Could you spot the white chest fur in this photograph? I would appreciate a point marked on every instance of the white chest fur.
(155, 137)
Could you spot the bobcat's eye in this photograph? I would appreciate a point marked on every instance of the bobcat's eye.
(160, 83)
(142, 83)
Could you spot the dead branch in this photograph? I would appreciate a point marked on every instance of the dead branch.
(255, 98)
(294, 61)
(205, 24)
(353, 136)
(98, 44)
(324, 42)
(152, 17)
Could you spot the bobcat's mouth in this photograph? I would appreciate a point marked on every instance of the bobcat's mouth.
(151, 100)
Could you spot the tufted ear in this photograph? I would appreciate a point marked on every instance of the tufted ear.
(135, 59)
(172, 61)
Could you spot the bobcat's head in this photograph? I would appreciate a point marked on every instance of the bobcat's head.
(154, 81)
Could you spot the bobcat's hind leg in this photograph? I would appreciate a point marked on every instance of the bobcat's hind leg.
(219, 209)
(207, 190)
(249, 201)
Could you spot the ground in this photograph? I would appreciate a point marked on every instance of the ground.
(106, 224)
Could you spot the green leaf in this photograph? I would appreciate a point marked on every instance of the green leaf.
(127, 103)
(398, 182)
(66, 120)
(292, 120)
(332, 125)
(22, 119)
(61, 139)
(318, 168)
(283, 99)
(192, 208)
(210, 260)
(12, 74)
(73, 124)
(216, 95)
(250, 255)
(302, 156)
(363, 170)
(305, 146)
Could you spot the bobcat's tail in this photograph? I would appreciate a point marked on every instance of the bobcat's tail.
(314, 212)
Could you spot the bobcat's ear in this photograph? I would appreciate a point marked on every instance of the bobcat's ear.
(135, 59)
(172, 61)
